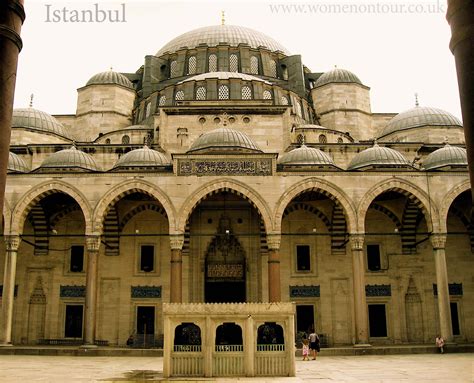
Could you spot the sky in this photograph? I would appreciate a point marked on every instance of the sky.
(395, 50)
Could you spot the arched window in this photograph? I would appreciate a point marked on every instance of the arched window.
(162, 100)
(107, 141)
(270, 337)
(147, 109)
(223, 92)
(298, 108)
(254, 65)
(340, 140)
(174, 68)
(322, 139)
(284, 72)
(229, 337)
(212, 63)
(187, 338)
(125, 140)
(284, 100)
(233, 63)
(300, 139)
(267, 95)
(179, 96)
(246, 93)
(192, 65)
(273, 68)
(201, 93)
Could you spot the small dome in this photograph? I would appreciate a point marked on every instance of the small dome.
(110, 77)
(306, 156)
(30, 118)
(144, 157)
(378, 156)
(224, 76)
(215, 34)
(16, 164)
(223, 140)
(446, 156)
(69, 159)
(418, 117)
(337, 75)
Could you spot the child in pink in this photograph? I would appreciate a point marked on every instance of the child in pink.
(305, 349)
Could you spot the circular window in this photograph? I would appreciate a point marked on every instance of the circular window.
(202, 120)
(246, 119)
(107, 141)
(231, 119)
(217, 120)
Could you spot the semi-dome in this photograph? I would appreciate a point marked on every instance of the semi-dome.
(69, 159)
(16, 164)
(448, 156)
(223, 140)
(215, 34)
(419, 117)
(110, 77)
(34, 119)
(224, 76)
(142, 158)
(378, 157)
(337, 75)
(305, 155)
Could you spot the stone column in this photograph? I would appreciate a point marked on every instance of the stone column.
(93, 244)
(12, 15)
(360, 303)
(445, 328)
(12, 242)
(176, 272)
(274, 278)
(460, 15)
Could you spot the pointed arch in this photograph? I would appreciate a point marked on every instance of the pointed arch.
(125, 188)
(232, 186)
(409, 190)
(448, 201)
(324, 187)
(38, 192)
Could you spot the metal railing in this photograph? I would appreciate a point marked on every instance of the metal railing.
(229, 348)
(270, 347)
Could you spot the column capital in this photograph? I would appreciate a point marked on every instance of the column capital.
(438, 240)
(93, 243)
(12, 242)
(357, 241)
(176, 241)
(273, 241)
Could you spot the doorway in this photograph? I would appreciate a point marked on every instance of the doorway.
(145, 320)
(377, 321)
(73, 321)
(305, 318)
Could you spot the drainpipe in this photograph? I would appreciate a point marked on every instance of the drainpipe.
(12, 15)
(460, 17)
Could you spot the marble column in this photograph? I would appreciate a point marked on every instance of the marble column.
(176, 274)
(439, 244)
(93, 245)
(274, 277)
(360, 302)
(12, 242)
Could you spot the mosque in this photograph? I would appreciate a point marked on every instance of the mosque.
(225, 170)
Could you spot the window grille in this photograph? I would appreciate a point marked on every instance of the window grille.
(223, 92)
(233, 63)
(201, 93)
(174, 68)
(192, 65)
(212, 63)
(246, 93)
(267, 95)
(254, 65)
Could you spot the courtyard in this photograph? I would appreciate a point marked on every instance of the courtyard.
(394, 368)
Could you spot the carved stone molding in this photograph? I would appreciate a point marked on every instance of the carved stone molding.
(176, 241)
(93, 243)
(243, 309)
(273, 241)
(12, 242)
(357, 241)
(438, 241)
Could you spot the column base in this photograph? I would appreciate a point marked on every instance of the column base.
(88, 346)
(362, 345)
(6, 344)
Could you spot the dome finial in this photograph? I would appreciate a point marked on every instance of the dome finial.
(335, 66)
(417, 103)
(111, 68)
(375, 142)
(31, 100)
(222, 17)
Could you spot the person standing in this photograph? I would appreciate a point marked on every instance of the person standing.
(305, 350)
(314, 343)
(440, 344)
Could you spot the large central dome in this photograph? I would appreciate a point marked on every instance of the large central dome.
(213, 35)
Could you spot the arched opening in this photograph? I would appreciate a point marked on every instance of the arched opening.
(225, 238)
(53, 233)
(187, 338)
(270, 337)
(229, 337)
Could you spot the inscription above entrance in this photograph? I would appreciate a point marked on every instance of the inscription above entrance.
(210, 167)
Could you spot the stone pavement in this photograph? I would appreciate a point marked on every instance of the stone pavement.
(431, 368)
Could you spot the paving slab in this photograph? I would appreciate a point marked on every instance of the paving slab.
(431, 368)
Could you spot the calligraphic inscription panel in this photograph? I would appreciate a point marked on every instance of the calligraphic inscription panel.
(225, 271)
(214, 167)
